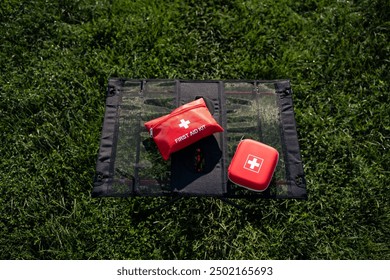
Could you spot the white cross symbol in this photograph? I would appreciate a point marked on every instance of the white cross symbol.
(184, 123)
(253, 163)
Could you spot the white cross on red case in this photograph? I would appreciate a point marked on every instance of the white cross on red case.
(184, 123)
(253, 163)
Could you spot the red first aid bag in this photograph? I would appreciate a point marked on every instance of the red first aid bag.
(182, 127)
(253, 165)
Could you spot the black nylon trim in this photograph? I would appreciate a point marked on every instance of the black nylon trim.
(105, 164)
(293, 161)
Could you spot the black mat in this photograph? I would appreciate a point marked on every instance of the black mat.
(129, 163)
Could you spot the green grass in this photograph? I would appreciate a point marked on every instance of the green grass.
(56, 58)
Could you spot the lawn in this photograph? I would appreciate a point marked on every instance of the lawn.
(56, 58)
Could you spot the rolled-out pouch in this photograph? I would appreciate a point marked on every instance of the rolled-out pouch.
(182, 127)
(253, 165)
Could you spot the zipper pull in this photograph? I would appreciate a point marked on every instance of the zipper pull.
(151, 132)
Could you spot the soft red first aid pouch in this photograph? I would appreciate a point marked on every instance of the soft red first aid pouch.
(182, 127)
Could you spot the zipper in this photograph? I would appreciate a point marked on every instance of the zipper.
(174, 115)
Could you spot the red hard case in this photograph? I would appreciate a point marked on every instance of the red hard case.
(253, 165)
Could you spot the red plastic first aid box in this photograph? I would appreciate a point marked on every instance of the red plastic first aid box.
(253, 165)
